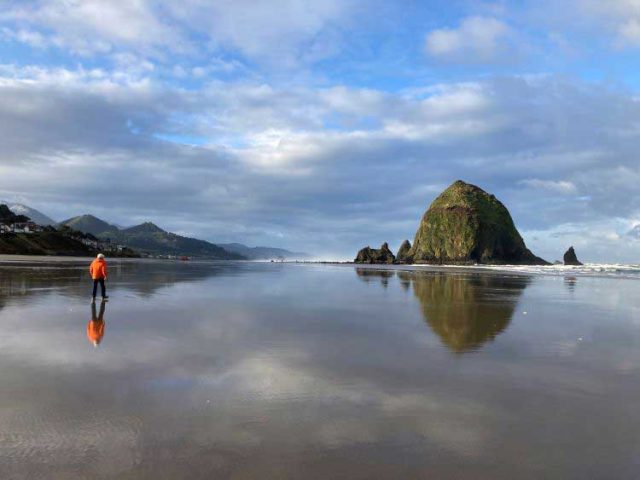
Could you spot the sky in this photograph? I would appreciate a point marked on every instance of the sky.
(325, 125)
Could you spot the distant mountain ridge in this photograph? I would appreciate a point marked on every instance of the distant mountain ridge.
(46, 240)
(264, 253)
(35, 215)
(152, 239)
(149, 238)
(89, 224)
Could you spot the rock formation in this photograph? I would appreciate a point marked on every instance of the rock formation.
(570, 257)
(467, 225)
(372, 255)
(403, 253)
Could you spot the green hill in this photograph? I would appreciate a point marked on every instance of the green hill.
(90, 224)
(148, 237)
(50, 242)
(465, 224)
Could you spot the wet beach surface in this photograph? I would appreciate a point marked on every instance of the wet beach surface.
(278, 371)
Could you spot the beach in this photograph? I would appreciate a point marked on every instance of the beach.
(285, 370)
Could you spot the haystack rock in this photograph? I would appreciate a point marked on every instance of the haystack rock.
(372, 255)
(570, 257)
(403, 253)
(466, 225)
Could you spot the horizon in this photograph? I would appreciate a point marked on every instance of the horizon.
(323, 127)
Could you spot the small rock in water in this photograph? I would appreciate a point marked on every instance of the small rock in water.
(570, 258)
(372, 255)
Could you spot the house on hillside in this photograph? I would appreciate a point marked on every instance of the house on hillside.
(90, 243)
(21, 227)
(109, 246)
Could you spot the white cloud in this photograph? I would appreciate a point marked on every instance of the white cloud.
(330, 168)
(93, 26)
(284, 32)
(476, 39)
(618, 21)
(281, 31)
(559, 186)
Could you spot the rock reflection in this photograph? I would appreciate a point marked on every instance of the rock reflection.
(405, 280)
(96, 326)
(467, 312)
(370, 274)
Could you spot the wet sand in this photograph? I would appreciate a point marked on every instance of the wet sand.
(272, 371)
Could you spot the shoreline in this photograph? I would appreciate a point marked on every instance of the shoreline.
(590, 270)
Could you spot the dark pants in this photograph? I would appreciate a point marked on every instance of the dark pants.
(102, 287)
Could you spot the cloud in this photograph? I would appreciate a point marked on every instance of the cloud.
(622, 17)
(558, 186)
(634, 233)
(277, 31)
(476, 40)
(326, 169)
(93, 26)
(282, 32)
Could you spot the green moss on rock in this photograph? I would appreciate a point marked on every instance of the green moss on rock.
(467, 225)
(372, 255)
(404, 253)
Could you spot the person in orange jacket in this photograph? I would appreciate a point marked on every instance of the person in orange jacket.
(95, 327)
(98, 271)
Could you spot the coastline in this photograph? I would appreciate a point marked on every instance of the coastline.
(630, 271)
(589, 270)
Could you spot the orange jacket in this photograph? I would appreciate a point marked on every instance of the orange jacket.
(98, 269)
(95, 331)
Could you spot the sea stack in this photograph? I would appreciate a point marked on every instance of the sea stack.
(570, 257)
(403, 253)
(466, 225)
(372, 255)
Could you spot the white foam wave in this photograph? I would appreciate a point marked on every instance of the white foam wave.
(587, 270)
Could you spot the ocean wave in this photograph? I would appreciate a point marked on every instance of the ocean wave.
(587, 270)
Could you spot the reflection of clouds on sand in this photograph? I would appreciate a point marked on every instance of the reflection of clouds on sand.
(285, 375)
(85, 443)
(130, 342)
(361, 410)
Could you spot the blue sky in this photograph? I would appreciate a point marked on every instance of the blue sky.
(325, 125)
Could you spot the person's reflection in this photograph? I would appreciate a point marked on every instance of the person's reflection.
(95, 327)
(466, 312)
